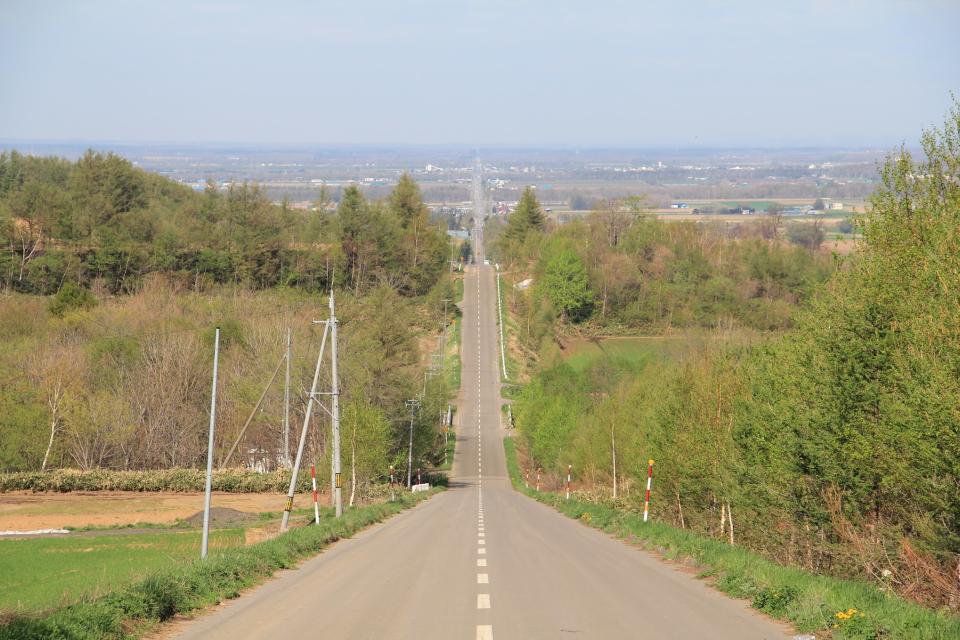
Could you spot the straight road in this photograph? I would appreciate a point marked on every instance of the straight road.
(481, 561)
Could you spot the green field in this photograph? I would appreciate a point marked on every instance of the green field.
(40, 573)
(580, 353)
(134, 601)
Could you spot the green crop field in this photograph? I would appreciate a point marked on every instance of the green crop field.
(582, 352)
(42, 573)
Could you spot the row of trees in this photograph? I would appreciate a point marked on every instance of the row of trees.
(102, 220)
(835, 445)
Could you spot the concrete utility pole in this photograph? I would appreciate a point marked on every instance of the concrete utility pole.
(443, 350)
(303, 432)
(412, 405)
(286, 407)
(213, 421)
(335, 410)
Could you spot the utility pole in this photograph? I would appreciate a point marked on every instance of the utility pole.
(443, 374)
(443, 350)
(303, 432)
(412, 405)
(335, 410)
(286, 407)
(213, 422)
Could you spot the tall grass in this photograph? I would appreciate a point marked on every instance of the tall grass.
(133, 610)
(812, 603)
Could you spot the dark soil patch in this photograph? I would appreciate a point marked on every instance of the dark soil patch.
(220, 516)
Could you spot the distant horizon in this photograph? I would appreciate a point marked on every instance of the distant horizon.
(9, 143)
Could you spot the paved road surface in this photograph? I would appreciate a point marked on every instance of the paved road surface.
(480, 560)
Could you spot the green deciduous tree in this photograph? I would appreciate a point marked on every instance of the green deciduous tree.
(567, 285)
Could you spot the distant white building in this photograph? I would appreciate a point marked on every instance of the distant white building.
(836, 206)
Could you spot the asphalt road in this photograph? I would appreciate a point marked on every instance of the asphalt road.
(480, 560)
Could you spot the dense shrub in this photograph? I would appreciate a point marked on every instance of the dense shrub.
(71, 297)
(183, 480)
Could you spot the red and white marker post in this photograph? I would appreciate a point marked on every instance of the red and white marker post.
(392, 486)
(316, 504)
(569, 472)
(538, 478)
(646, 502)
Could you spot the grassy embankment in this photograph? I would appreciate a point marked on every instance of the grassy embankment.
(812, 603)
(509, 327)
(178, 586)
(452, 353)
(452, 367)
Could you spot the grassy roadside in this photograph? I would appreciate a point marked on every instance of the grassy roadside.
(132, 610)
(513, 368)
(450, 446)
(828, 606)
(452, 356)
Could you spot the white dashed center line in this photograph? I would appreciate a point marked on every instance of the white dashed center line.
(484, 631)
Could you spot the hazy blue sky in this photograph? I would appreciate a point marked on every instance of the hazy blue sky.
(631, 73)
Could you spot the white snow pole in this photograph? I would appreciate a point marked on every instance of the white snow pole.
(646, 502)
(316, 502)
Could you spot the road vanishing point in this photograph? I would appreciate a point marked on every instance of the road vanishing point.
(480, 560)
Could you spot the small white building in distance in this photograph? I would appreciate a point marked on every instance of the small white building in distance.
(836, 206)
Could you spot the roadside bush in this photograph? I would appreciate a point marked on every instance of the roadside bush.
(71, 297)
(177, 480)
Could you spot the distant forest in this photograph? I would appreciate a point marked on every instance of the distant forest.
(101, 222)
